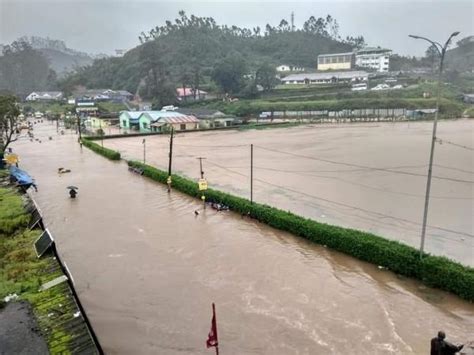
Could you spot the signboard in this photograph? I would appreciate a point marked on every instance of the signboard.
(202, 184)
(12, 159)
(168, 181)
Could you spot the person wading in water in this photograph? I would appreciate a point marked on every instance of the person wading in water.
(439, 346)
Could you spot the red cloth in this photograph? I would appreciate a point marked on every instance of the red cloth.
(212, 337)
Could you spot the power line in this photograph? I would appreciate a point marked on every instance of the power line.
(212, 146)
(343, 204)
(456, 169)
(311, 174)
(366, 167)
(441, 141)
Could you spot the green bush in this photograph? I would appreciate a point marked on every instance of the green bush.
(402, 259)
(106, 152)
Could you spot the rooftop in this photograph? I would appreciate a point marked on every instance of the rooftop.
(372, 49)
(334, 54)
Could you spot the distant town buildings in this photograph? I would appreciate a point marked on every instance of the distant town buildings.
(45, 96)
(103, 95)
(337, 61)
(287, 68)
(374, 58)
(370, 58)
(326, 77)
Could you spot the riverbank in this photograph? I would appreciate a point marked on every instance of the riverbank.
(55, 316)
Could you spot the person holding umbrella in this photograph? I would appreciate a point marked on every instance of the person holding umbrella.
(72, 191)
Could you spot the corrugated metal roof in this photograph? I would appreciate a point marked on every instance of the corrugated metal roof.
(180, 119)
(133, 114)
(326, 75)
(334, 54)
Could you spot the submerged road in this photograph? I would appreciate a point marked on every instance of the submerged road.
(367, 176)
(147, 270)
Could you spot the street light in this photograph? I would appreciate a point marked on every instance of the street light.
(441, 52)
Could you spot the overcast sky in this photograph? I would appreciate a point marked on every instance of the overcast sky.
(101, 26)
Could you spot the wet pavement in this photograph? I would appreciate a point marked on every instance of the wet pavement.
(147, 270)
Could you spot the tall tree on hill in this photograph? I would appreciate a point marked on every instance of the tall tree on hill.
(24, 69)
(229, 74)
(157, 75)
(266, 76)
(356, 42)
(8, 121)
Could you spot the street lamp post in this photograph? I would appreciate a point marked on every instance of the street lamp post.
(441, 52)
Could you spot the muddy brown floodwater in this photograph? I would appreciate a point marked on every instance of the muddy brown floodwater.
(147, 270)
(365, 176)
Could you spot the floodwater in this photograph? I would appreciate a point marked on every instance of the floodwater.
(147, 270)
(364, 176)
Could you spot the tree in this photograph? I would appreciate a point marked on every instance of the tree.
(355, 42)
(432, 55)
(8, 121)
(266, 76)
(156, 71)
(229, 73)
(24, 69)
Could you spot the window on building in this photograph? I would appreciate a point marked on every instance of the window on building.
(182, 127)
(334, 60)
(124, 123)
(145, 125)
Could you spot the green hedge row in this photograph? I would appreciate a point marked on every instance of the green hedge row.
(402, 259)
(106, 152)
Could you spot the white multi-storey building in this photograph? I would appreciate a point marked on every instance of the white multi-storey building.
(374, 58)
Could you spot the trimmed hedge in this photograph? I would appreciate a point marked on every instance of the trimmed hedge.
(106, 152)
(402, 259)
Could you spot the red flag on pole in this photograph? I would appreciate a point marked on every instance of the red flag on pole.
(212, 337)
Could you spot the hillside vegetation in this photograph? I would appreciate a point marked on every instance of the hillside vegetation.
(190, 51)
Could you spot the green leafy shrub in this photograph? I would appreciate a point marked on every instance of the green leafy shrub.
(106, 152)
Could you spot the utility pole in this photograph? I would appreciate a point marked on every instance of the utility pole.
(170, 158)
(251, 173)
(144, 150)
(200, 167)
(79, 127)
(203, 197)
(441, 52)
(101, 134)
(292, 21)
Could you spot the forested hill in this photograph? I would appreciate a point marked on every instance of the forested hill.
(185, 52)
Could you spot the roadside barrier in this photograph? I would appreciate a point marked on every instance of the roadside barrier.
(39, 222)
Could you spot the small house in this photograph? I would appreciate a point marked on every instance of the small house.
(209, 118)
(45, 96)
(189, 94)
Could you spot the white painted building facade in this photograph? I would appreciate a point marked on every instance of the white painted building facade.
(374, 58)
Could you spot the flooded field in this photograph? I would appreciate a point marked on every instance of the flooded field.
(365, 176)
(147, 269)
